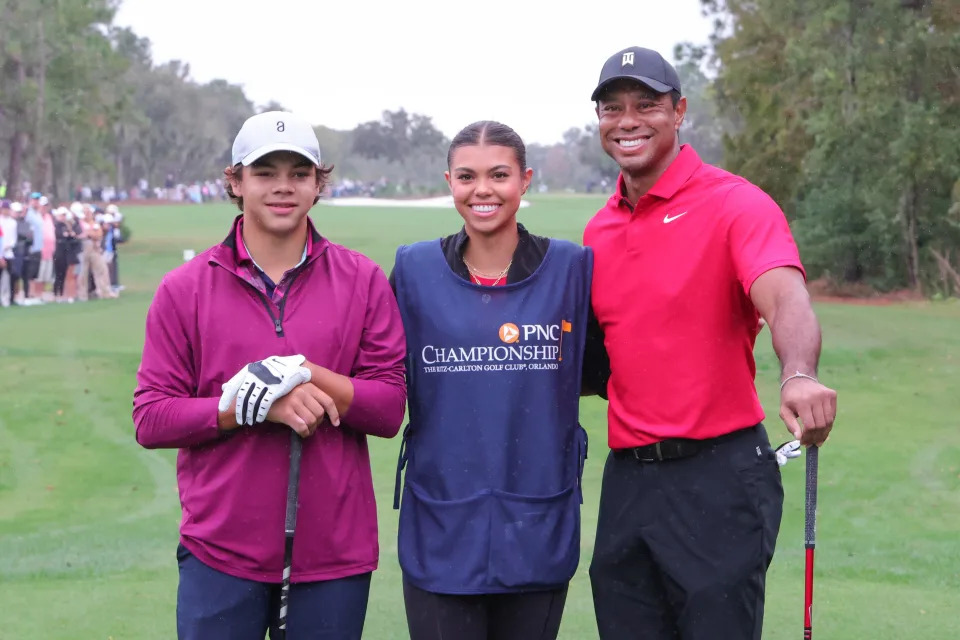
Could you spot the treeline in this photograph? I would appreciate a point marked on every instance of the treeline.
(82, 102)
(846, 111)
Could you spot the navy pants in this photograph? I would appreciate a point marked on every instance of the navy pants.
(683, 545)
(215, 606)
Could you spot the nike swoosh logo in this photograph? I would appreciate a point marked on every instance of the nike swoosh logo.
(667, 219)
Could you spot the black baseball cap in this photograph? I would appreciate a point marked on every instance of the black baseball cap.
(646, 66)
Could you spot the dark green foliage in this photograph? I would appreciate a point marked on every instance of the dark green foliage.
(847, 113)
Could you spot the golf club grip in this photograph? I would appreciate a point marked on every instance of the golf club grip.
(810, 520)
(293, 484)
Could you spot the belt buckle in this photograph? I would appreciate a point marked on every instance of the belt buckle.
(657, 457)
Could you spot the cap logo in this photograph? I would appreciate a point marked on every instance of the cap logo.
(627, 59)
(281, 126)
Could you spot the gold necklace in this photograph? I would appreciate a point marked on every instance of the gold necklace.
(474, 272)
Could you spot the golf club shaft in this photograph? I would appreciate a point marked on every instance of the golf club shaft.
(810, 539)
(290, 525)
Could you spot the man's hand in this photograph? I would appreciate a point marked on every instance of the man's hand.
(814, 404)
(255, 388)
(303, 409)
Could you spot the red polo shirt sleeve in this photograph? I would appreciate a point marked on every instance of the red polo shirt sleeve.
(758, 235)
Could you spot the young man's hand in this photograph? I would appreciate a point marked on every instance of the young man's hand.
(255, 388)
(303, 409)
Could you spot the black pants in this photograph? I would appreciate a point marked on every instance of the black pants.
(31, 269)
(114, 269)
(500, 616)
(683, 546)
(61, 260)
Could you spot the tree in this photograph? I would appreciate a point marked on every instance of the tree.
(845, 113)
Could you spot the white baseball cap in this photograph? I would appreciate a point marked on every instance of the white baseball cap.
(112, 208)
(16, 207)
(76, 208)
(275, 131)
(44, 201)
(108, 217)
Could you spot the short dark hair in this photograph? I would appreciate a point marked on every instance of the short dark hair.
(492, 133)
(236, 172)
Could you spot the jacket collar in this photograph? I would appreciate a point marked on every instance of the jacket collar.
(231, 252)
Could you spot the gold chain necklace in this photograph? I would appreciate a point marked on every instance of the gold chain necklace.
(474, 272)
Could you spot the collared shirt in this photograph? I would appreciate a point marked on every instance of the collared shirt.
(268, 283)
(671, 292)
(255, 274)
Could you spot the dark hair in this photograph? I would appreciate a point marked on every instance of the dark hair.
(236, 172)
(674, 94)
(490, 133)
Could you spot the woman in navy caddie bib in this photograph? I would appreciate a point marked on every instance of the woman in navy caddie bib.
(495, 318)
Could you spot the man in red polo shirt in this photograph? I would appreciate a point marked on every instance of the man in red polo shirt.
(688, 259)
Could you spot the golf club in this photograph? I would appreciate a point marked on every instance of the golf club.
(809, 539)
(290, 524)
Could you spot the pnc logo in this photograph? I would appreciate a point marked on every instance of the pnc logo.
(509, 333)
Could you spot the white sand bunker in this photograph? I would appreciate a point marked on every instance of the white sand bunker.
(442, 202)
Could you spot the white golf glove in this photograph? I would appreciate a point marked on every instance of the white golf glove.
(255, 387)
(788, 451)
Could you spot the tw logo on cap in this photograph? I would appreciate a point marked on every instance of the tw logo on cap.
(627, 59)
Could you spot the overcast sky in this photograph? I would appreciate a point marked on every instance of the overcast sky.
(531, 64)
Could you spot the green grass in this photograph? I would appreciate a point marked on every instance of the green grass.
(88, 520)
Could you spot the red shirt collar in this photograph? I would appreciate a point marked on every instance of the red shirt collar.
(680, 170)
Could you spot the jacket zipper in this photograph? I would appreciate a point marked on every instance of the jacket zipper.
(278, 319)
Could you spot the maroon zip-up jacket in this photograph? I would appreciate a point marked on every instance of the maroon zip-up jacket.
(209, 318)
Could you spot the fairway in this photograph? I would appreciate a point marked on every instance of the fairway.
(88, 519)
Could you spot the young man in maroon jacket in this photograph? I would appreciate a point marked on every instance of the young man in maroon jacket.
(322, 322)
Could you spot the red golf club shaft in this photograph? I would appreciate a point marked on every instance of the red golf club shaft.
(810, 539)
(808, 597)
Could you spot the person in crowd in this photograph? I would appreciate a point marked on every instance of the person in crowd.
(74, 250)
(98, 263)
(32, 287)
(85, 285)
(8, 227)
(21, 252)
(45, 274)
(113, 236)
(61, 256)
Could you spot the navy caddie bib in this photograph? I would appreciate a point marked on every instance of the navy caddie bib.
(493, 450)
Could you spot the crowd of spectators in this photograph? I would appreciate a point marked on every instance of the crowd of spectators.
(58, 254)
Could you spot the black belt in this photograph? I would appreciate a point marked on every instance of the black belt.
(672, 449)
(675, 448)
